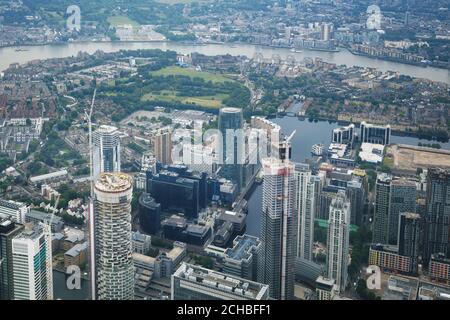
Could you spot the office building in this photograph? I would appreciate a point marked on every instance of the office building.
(393, 196)
(176, 228)
(242, 259)
(231, 124)
(56, 222)
(307, 271)
(278, 226)
(191, 282)
(149, 214)
(113, 248)
(325, 288)
(376, 134)
(437, 217)
(408, 238)
(141, 243)
(338, 240)
(177, 189)
(8, 230)
(15, 210)
(344, 135)
(162, 144)
(305, 205)
(106, 150)
(32, 263)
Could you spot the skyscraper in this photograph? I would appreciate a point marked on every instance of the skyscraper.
(305, 205)
(408, 237)
(8, 230)
(381, 210)
(437, 223)
(278, 226)
(113, 247)
(338, 240)
(32, 263)
(162, 144)
(231, 124)
(403, 199)
(392, 197)
(106, 150)
(149, 213)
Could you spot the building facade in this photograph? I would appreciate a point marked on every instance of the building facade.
(8, 230)
(231, 124)
(162, 144)
(106, 150)
(437, 217)
(15, 210)
(32, 263)
(191, 282)
(305, 205)
(278, 228)
(113, 247)
(376, 134)
(149, 214)
(408, 238)
(393, 196)
(338, 240)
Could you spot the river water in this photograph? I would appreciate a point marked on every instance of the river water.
(8, 55)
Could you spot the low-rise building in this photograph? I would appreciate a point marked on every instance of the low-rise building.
(191, 282)
(77, 255)
(388, 259)
(439, 268)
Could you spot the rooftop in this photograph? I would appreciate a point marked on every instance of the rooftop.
(113, 182)
(220, 281)
(242, 247)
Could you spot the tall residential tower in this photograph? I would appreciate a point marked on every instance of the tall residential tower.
(113, 247)
(338, 240)
(278, 225)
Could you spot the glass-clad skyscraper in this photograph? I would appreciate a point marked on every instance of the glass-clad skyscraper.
(231, 123)
(106, 150)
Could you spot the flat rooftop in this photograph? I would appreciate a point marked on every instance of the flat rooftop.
(242, 247)
(224, 282)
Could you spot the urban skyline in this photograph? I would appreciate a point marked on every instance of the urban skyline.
(225, 150)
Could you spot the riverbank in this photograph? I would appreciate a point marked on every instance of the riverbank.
(343, 57)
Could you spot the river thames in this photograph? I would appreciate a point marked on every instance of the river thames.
(9, 55)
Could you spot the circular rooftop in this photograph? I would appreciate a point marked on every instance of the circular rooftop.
(113, 182)
(230, 110)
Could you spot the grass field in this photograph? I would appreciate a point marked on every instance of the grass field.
(174, 70)
(205, 101)
(120, 20)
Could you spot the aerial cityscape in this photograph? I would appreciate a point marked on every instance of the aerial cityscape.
(225, 150)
